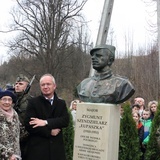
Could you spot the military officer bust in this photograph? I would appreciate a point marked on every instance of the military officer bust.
(103, 86)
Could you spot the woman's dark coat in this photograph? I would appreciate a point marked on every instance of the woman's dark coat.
(140, 133)
(43, 146)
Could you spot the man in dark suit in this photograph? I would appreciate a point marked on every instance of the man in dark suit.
(46, 115)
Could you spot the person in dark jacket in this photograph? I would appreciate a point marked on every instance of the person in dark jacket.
(46, 115)
(140, 127)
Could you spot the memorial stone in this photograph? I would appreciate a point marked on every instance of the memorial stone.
(96, 132)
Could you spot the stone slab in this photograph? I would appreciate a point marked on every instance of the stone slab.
(96, 132)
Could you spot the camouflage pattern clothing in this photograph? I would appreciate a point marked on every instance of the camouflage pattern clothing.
(9, 136)
(20, 106)
(23, 132)
(21, 113)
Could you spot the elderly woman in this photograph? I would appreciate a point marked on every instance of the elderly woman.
(9, 128)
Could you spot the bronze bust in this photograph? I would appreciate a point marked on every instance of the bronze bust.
(103, 86)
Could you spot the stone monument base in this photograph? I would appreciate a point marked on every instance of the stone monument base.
(96, 132)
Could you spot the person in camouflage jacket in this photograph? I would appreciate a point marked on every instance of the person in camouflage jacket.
(9, 128)
(20, 86)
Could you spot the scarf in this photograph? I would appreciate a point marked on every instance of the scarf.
(8, 114)
(139, 125)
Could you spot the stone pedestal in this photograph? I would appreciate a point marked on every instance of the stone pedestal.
(96, 132)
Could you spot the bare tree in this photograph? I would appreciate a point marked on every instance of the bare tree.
(46, 29)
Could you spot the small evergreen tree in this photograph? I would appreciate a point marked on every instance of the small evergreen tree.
(68, 135)
(129, 147)
(153, 150)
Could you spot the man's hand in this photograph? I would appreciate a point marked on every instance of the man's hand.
(54, 132)
(37, 122)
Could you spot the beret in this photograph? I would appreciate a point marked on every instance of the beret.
(21, 78)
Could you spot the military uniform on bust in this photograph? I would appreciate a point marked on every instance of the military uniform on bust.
(20, 86)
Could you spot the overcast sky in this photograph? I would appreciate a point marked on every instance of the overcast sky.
(4, 21)
(127, 16)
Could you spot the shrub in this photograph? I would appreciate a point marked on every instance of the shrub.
(68, 135)
(153, 150)
(129, 147)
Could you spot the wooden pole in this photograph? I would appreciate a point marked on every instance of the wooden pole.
(104, 26)
(158, 24)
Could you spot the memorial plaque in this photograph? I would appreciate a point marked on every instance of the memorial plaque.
(96, 132)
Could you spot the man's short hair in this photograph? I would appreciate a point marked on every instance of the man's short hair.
(50, 75)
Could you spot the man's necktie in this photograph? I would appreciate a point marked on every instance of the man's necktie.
(51, 101)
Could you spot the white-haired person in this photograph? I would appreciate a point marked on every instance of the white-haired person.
(46, 116)
(9, 128)
(141, 102)
(73, 108)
